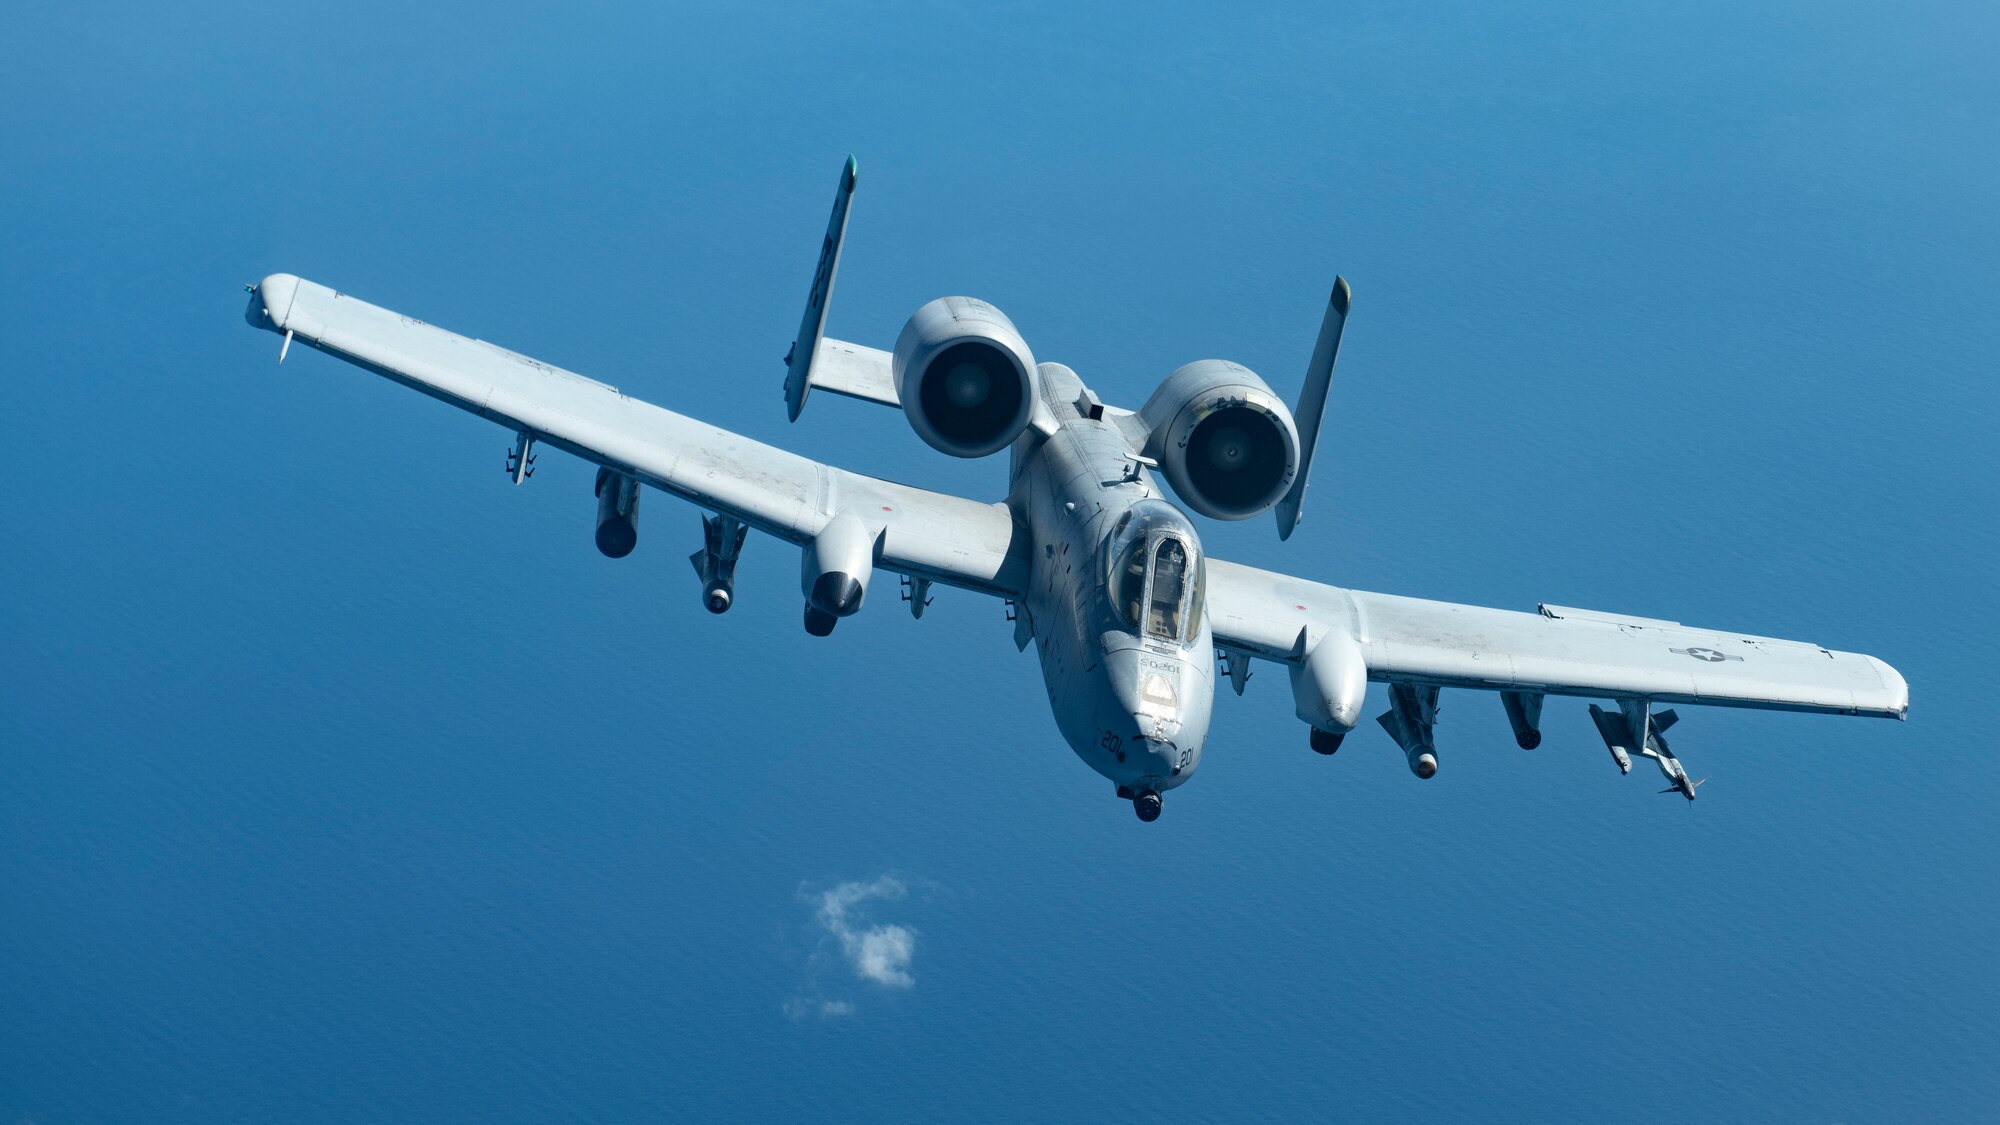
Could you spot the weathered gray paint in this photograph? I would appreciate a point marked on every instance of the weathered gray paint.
(1134, 707)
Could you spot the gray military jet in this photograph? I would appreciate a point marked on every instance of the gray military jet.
(1133, 623)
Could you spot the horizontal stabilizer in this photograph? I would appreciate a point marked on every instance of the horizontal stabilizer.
(855, 371)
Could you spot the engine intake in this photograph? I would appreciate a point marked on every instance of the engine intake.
(1225, 442)
(965, 377)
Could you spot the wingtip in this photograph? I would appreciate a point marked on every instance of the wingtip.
(1895, 689)
(1343, 295)
(851, 174)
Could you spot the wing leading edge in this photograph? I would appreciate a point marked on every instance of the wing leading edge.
(921, 533)
(1556, 652)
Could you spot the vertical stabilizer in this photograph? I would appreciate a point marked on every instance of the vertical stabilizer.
(799, 361)
(1312, 401)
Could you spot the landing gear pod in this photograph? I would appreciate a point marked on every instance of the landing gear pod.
(1328, 689)
(838, 563)
(617, 514)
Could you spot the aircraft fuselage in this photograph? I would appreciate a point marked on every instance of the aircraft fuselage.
(1115, 600)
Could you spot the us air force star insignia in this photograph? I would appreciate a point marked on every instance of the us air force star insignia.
(1708, 654)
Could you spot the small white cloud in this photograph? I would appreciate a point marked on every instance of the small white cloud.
(799, 1009)
(880, 953)
(883, 955)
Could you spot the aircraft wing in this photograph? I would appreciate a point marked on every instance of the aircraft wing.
(1558, 651)
(925, 534)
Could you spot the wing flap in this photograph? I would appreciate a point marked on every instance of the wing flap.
(1567, 613)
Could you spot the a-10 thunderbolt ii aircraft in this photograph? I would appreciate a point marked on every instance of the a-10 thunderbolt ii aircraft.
(1133, 623)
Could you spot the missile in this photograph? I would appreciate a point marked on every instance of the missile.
(1685, 787)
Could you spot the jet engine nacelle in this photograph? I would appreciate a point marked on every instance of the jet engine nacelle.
(1225, 442)
(965, 377)
(838, 563)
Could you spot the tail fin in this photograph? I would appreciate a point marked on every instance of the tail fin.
(1312, 400)
(799, 361)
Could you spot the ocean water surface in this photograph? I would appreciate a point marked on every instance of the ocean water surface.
(341, 780)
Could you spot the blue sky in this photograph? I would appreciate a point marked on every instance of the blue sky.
(341, 779)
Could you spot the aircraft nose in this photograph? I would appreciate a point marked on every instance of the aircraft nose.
(1155, 757)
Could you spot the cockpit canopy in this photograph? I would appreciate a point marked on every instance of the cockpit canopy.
(1157, 578)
